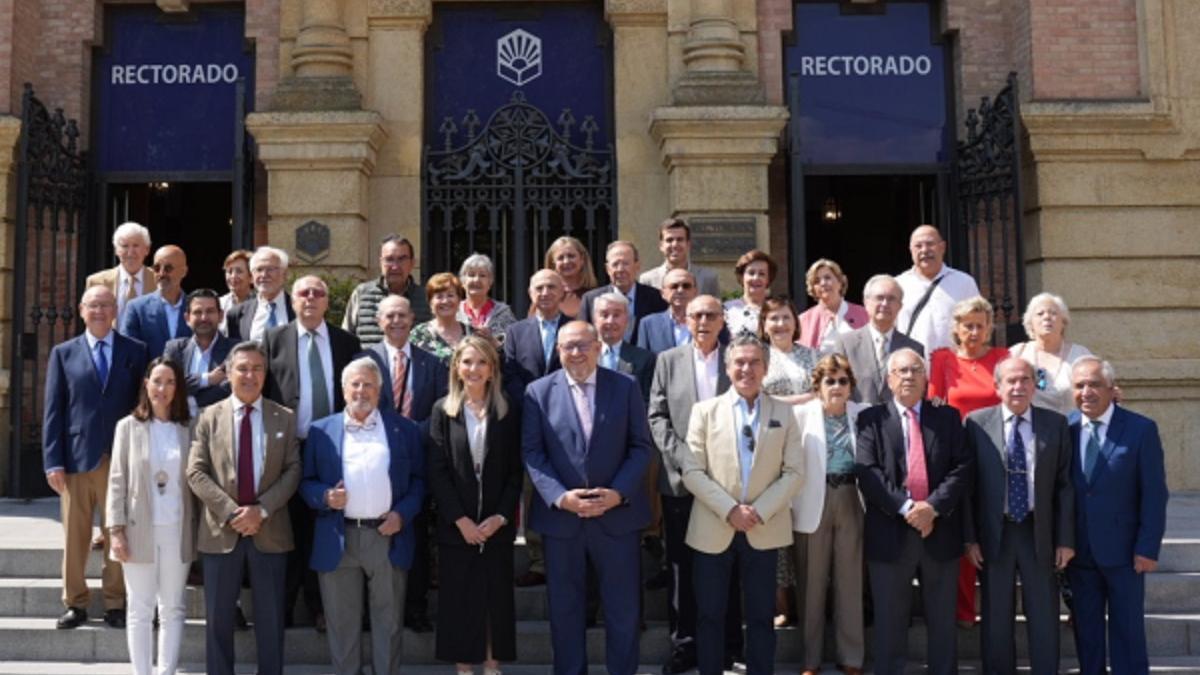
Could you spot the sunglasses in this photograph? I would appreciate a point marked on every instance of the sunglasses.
(840, 381)
(162, 268)
(684, 286)
(1043, 379)
(749, 434)
(310, 293)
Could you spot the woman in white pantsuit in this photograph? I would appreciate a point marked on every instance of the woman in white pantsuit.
(829, 510)
(151, 515)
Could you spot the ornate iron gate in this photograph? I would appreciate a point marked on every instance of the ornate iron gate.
(48, 272)
(988, 168)
(512, 188)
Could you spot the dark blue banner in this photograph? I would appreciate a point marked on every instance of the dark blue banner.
(166, 89)
(557, 55)
(872, 87)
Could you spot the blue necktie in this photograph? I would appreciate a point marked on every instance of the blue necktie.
(1092, 452)
(102, 364)
(1018, 486)
(272, 322)
(548, 335)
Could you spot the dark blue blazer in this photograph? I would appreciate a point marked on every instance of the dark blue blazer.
(181, 350)
(523, 360)
(647, 300)
(657, 332)
(430, 381)
(145, 319)
(323, 470)
(559, 459)
(1122, 510)
(80, 417)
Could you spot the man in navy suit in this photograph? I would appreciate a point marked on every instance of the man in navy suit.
(364, 476)
(158, 317)
(92, 381)
(611, 316)
(412, 380)
(621, 263)
(1120, 518)
(529, 353)
(202, 356)
(270, 306)
(669, 328)
(587, 447)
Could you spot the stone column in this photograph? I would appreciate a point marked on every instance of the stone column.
(10, 133)
(714, 57)
(322, 63)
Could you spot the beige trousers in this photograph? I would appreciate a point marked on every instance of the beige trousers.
(835, 553)
(84, 494)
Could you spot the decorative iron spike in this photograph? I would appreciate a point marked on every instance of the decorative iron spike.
(471, 123)
(72, 134)
(448, 129)
(589, 129)
(972, 123)
(566, 120)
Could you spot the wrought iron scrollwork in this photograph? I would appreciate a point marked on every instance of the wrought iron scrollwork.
(512, 187)
(988, 166)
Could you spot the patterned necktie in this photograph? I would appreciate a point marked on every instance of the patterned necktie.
(918, 479)
(131, 291)
(583, 408)
(881, 352)
(101, 364)
(316, 374)
(1092, 450)
(245, 477)
(1018, 486)
(400, 392)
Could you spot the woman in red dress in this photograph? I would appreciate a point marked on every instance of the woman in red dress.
(962, 377)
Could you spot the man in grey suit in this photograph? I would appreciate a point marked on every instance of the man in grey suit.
(868, 347)
(675, 243)
(684, 376)
(610, 315)
(1020, 519)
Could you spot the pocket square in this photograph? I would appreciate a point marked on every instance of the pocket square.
(774, 424)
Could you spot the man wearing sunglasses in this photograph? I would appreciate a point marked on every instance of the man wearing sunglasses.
(158, 317)
(669, 328)
(746, 461)
(305, 358)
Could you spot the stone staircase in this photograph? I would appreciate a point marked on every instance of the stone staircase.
(30, 601)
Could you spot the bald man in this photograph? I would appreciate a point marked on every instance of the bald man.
(158, 317)
(931, 288)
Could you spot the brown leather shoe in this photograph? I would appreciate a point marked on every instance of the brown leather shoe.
(851, 670)
(808, 671)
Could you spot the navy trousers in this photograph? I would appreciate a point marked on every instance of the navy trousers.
(712, 574)
(222, 586)
(1121, 593)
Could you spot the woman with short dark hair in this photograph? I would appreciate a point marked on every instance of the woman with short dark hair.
(444, 331)
(755, 272)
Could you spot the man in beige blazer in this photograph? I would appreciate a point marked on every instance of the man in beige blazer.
(130, 278)
(244, 466)
(745, 463)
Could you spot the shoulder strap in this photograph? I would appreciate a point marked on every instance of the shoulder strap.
(912, 320)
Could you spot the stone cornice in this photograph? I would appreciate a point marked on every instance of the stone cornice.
(314, 140)
(714, 135)
(399, 14)
(636, 12)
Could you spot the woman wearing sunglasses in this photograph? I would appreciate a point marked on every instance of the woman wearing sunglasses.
(827, 516)
(1049, 352)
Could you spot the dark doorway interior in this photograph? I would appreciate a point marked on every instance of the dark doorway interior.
(194, 216)
(863, 222)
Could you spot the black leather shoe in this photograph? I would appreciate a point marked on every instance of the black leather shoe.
(115, 618)
(74, 617)
(239, 619)
(658, 581)
(680, 662)
(530, 579)
(319, 623)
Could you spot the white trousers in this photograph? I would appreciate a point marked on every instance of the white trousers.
(160, 583)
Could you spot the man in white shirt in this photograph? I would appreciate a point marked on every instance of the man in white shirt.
(931, 289)
(270, 306)
(364, 478)
(675, 243)
(130, 278)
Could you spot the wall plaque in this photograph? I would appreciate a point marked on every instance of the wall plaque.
(725, 238)
(312, 241)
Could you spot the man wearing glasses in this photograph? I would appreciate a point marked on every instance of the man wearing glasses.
(669, 328)
(270, 307)
(744, 464)
(914, 471)
(867, 348)
(396, 261)
(158, 317)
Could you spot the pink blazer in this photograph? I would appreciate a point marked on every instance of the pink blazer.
(812, 323)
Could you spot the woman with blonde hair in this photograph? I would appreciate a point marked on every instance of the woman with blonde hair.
(833, 315)
(569, 257)
(475, 474)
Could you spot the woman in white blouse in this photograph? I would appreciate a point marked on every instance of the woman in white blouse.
(1049, 352)
(755, 272)
(151, 515)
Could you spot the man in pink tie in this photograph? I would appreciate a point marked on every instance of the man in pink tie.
(914, 473)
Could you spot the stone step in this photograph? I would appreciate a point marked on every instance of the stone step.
(25, 639)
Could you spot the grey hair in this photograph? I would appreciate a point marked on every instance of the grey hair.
(265, 251)
(1106, 368)
(880, 278)
(475, 261)
(319, 280)
(242, 348)
(907, 350)
(611, 296)
(131, 228)
(362, 363)
(996, 372)
(1037, 301)
(747, 340)
(396, 297)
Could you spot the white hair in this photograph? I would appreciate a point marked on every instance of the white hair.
(1106, 368)
(361, 363)
(131, 229)
(878, 279)
(611, 296)
(269, 252)
(477, 261)
(1044, 299)
(907, 350)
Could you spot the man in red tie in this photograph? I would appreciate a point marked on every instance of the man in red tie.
(914, 473)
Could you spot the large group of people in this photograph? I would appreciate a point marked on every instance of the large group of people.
(820, 461)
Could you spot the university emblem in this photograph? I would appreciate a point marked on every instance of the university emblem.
(519, 57)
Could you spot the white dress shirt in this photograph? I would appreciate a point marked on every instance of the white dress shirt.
(706, 372)
(936, 321)
(839, 326)
(1085, 431)
(304, 408)
(1028, 440)
(366, 459)
(166, 505)
(258, 445)
(260, 323)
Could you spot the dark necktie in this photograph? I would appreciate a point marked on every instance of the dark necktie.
(1018, 485)
(101, 364)
(272, 322)
(245, 479)
(1092, 451)
(316, 374)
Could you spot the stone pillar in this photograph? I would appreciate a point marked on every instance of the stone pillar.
(10, 133)
(714, 57)
(321, 63)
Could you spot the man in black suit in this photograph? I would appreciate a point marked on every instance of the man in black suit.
(202, 356)
(867, 348)
(610, 315)
(914, 472)
(621, 263)
(270, 307)
(305, 359)
(1021, 517)
(412, 380)
(530, 352)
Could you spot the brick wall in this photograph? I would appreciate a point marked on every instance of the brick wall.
(262, 26)
(1084, 49)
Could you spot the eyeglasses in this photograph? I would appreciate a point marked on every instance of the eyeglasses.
(573, 347)
(703, 316)
(840, 381)
(681, 286)
(909, 370)
(315, 293)
(749, 434)
(96, 306)
(162, 268)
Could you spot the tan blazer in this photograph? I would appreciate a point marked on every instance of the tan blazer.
(109, 278)
(212, 474)
(712, 473)
(130, 491)
(809, 501)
